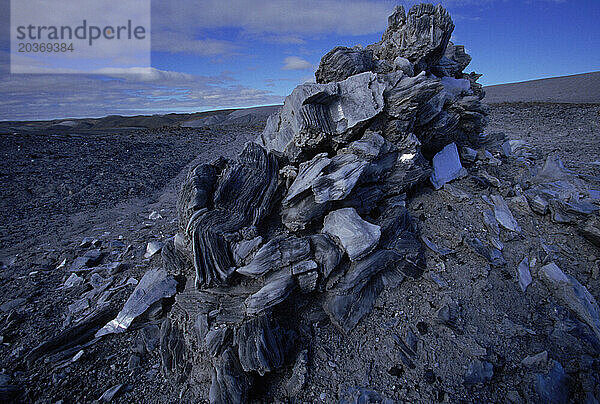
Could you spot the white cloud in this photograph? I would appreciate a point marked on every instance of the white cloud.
(354, 17)
(122, 91)
(186, 42)
(296, 63)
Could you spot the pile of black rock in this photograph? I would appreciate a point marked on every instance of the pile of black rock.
(317, 203)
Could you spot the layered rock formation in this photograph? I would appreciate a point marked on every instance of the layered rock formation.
(317, 204)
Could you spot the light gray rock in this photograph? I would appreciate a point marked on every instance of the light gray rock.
(523, 274)
(313, 113)
(303, 266)
(154, 286)
(573, 295)
(357, 236)
(446, 166)
(504, 215)
(404, 65)
(537, 360)
(73, 280)
(342, 175)
(152, 248)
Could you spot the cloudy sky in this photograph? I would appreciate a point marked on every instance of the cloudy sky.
(211, 54)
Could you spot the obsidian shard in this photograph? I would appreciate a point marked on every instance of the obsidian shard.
(316, 205)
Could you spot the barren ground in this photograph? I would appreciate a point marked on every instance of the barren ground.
(56, 190)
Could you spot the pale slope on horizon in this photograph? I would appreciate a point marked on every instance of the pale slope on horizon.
(577, 89)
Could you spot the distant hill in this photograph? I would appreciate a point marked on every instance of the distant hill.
(246, 116)
(578, 89)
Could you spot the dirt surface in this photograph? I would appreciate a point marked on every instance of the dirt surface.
(578, 88)
(56, 190)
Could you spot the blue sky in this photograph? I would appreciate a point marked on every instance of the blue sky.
(210, 54)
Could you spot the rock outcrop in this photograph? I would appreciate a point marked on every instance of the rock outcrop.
(317, 204)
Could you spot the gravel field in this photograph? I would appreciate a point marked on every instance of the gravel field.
(58, 189)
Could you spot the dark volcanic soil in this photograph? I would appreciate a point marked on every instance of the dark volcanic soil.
(56, 190)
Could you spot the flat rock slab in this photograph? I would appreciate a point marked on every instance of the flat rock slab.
(357, 236)
(446, 166)
(503, 214)
(573, 295)
(155, 285)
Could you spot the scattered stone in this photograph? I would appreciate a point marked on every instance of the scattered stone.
(89, 259)
(523, 274)
(536, 361)
(152, 248)
(539, 205)
(87, 242)
(357, 236)
(111, 393)
(456, 192)
(490, 222)
(359, 395)
(573, 295)
(503, 214)
(468, 155)
(154, 286)
(154, 215)
(479, 372)
(77, 334)
(493, 255)
(114, 267)
(493, 181)
(442, 251)
(79, 306)
(446, 166)
(117, 244)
